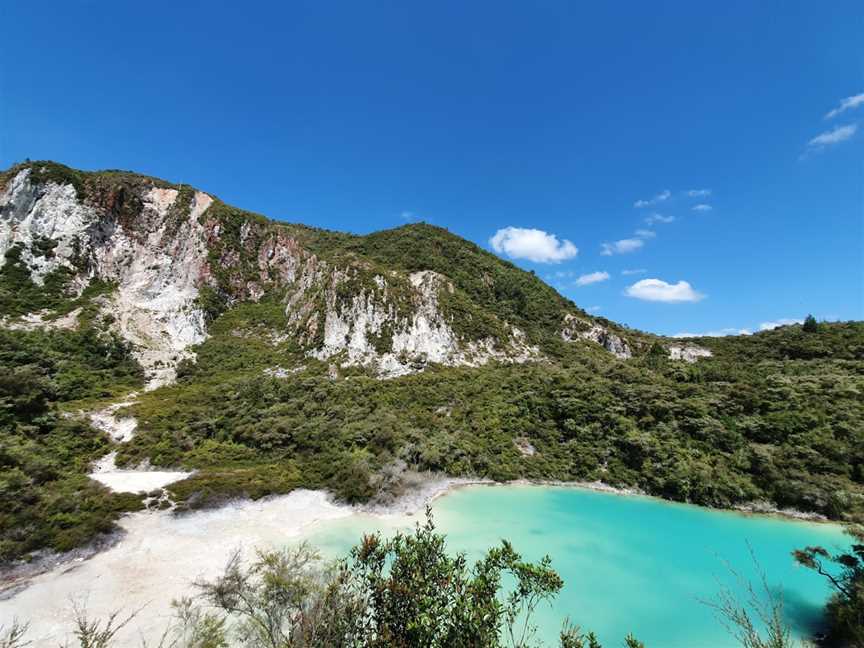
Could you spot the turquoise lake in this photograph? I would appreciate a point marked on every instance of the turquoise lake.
(630, 564)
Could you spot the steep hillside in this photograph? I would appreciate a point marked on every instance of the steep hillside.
(175, 258)
(147, 325)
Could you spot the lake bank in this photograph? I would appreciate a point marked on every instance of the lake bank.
(629, 563)
(159, 555)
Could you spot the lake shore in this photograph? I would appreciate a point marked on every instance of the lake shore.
(423, 493)
(157, 555)
(156, 558)
(437, 487)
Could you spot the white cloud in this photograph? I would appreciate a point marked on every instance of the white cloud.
(533, 245)
(409, 216)
(719, 333)
(645, 233)
(699, 193)
(764, 326)
(660, 291)
(592, 277)
(785, 321)
(661, 197)
(594, 309)
(702, 207)
(636, 271)
(849, 103)
(658, 218)
(834, 136)
(622, 247)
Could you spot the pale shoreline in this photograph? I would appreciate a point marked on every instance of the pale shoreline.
(748, 509)
(412, 502)
(156, 559)
(157, 554)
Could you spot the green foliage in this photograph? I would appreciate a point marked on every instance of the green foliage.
(844, 573)
(837, 341)
(212, 302)
(572, 637)
(389, 593)
(751, 612)
(213, 486)
(415, 594)
(46, 499)
(181, 208)
(45, 171)
(14, 635)
(719, 432)
(810, 325)
(19, 294)
(233, 255)
(487, 290)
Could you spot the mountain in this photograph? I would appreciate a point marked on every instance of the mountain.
(176, 257)
(148, 325)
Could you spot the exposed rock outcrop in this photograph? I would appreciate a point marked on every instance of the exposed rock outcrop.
(160, 246)
(577, 328)
(399, 335)
(157, 265)
(688, 352)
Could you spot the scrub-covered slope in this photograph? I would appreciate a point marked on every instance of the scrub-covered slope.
(266, 356)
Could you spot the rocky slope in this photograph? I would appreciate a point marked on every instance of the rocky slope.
(174, 257)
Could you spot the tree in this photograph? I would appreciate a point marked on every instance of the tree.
(810, 325)
(14, 635)
(389, 593)
(417, 595)
(757, 621)
(845, 574)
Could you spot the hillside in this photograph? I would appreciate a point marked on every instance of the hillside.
(265, 356)
(177, 257)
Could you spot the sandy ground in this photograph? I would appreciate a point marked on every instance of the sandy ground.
(156, 561)
(140, 480)
(160, 555)
(106, 472)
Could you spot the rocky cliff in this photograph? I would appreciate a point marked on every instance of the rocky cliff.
(172, 258)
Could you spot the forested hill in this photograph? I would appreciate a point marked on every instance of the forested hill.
(280, 356)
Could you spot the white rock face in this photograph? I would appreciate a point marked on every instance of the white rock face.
(688, 352)
(119, 480)
(118, 428)
(136, 239)
(156, 271)
(28, 213)
(423, 337)
(576, 328)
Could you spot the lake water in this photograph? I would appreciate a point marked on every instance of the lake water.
(630, 564)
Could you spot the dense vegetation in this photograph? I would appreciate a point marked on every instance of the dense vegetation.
(844, 572)
(488, 290)
(741, 426)
(46, 499)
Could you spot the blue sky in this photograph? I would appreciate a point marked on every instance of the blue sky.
(479, 117)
